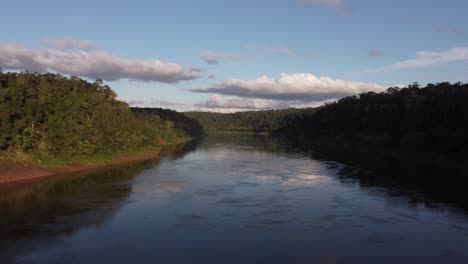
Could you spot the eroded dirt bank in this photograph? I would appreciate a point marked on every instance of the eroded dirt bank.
(17, 174)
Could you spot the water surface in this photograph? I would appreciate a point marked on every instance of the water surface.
(240, 199)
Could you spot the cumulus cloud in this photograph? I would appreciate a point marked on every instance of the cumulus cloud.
(212, 57)
(13, 56)
(338, 4)
(69, 43)
(428, 58)
(216, 103)
(376, 52)
(224, 102)
(270, 49)
(231, 104)
(299, 86)
(93, 64)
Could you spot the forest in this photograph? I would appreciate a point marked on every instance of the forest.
(249, 121)
(190, 126)
(50, 116)
(433, 118)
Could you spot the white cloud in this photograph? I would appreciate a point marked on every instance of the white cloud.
(93, 64)
(216, 102)
(231, 104)
(270, 49)
(338, 4)
(212, 57)
(300, 86)
(428, 58)
(13, 56)
(69, 43)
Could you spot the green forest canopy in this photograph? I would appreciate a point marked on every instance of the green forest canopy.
(432, 118)
(49, 114)
(52, 115)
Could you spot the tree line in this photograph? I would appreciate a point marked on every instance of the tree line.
(433, 118)
(53, 115)
(57, 116)
(191, 126)
(249, 121)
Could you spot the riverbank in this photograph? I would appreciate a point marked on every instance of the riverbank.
(16, 174)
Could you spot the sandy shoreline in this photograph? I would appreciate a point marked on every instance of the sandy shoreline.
(19, 174)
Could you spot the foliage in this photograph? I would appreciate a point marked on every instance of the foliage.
(191, 126)
(49, 115)
(433, 118)
(429, 119)
(251, 121)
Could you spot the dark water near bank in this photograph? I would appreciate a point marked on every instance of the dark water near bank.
(241, 199)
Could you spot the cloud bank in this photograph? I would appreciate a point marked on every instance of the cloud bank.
(75, 57)
(300, 86)
(212, 57)
(427, 58)
(223, 102)
(230, 104)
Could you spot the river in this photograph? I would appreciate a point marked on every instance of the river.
(240, 199)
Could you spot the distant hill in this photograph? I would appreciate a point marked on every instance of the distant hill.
(250, 121)
(181, 121)
(423, 119)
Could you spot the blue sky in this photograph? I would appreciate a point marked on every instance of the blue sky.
(261, 54)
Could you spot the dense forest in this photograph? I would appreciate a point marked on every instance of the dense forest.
(52, 116)
(250, 121)
(191, 126)
(423, 119)
(431, 118)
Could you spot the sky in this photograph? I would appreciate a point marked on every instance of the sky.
(228, 56)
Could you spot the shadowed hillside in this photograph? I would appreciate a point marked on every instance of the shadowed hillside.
(431, 119)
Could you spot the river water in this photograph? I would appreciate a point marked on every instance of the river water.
(240, 199)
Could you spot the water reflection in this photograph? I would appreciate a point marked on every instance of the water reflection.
(237, 199)
(178, 151)
(435, 187)
(63, 205)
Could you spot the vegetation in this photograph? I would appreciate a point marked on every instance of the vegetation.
(49, 117)
(249, 122)
(429, 119)
(421, 119)
(190, 126)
